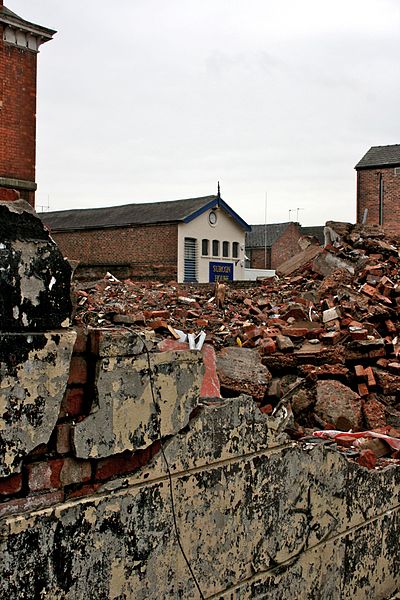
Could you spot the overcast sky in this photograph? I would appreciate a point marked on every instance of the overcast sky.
(151, 100)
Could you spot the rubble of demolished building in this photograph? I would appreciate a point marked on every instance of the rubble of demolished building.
(248, 432)
(321, 338)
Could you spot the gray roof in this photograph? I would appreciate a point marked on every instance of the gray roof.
(10, 18)
(380, 156)
(261, 235)
(317, 231)
(149, 213)
(127, 214)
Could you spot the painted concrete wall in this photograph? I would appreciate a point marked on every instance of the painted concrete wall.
(225, 229)
(258, 517)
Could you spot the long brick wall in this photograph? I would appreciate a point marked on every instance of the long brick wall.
(140, 252)
(368, 197)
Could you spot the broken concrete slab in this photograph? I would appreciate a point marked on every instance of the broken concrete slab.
(335, 402)
(34, 277)
(126, 416)
(326, 263)
(241, 372)
(33, 376)
(105, 342)
(299, 260)
(274, 503)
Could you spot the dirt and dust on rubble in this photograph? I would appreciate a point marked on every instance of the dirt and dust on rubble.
(320, 339)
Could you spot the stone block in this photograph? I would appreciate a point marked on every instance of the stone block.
(284, 344)
(73, 402)
(57, 473)
(77, 371)
(125, 416)
(115, 342)
(210, 387)
(33, 376)
(240, 370)
(335, 401)
(10, 485)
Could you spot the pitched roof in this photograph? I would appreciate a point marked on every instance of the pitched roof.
(317, 231)
(380, 156)
(10, 18)
(149, 213)
(261, 235)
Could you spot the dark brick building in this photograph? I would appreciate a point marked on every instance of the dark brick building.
(19, 46)
(268, 246)
(378, 188)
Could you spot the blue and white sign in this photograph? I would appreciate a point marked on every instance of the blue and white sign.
(220, 271)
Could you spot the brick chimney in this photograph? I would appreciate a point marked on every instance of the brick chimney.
(19, 45)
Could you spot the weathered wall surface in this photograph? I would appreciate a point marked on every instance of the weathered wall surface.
(259, 517)
(86, 497)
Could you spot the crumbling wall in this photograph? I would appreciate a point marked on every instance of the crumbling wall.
(88, 496)
(258, 516)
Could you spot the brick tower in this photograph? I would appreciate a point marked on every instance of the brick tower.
(19, 46)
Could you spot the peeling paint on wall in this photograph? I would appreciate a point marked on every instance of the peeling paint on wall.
(258, 517)
(125, 416)
(34, 371)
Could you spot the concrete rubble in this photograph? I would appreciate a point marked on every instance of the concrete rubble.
(322, 339)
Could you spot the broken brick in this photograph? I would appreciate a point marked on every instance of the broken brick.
(77, 371)
(374, 413)
(335, 400)
(367, 459)
(11, 485)
(284, 343)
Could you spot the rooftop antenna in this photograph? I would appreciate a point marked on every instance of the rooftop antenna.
(219, 192)
(265, 232)
(44, 207)
(297, 217)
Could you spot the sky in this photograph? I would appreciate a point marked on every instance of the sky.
(153, 100)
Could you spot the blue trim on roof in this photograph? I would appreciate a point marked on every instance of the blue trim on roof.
(214, 203)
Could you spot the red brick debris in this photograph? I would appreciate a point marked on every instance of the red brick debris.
(321, 340)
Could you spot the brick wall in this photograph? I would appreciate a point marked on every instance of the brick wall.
(284, 248)
(140, 252)
(257, 258)
(368, 196)
(17, 114)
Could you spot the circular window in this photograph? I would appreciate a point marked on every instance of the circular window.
(212, 218)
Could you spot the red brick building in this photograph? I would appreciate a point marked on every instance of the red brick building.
(19, 45)
(378, 188)
(196, 239)
(268, 246)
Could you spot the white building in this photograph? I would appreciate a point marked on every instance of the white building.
(194, 240)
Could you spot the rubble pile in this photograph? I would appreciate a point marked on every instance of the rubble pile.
(321, 339)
